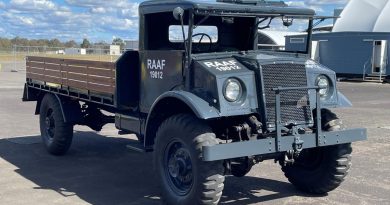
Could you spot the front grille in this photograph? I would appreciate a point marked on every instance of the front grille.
(294, 104)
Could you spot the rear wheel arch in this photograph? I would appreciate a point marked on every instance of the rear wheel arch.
(71, 110)
(39, 102)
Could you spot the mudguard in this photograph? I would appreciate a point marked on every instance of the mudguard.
(198, 106)
(71, 111)
(343, 101)
(201, 108)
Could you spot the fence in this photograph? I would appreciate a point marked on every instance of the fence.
(15, 58)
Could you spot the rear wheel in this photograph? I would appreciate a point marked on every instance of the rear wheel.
(183, 176)
(56, 134)
(323, 169)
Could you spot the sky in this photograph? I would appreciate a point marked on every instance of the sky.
(97, 20)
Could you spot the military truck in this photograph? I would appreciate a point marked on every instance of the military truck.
(202, 96)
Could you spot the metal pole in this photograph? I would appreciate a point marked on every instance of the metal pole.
(309, 37)
(364, 71)
(14, 58)
(319, 118)
(278, 120)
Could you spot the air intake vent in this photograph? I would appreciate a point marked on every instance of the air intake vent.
(294, 104)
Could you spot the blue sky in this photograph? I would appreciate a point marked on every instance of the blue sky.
(96, 20)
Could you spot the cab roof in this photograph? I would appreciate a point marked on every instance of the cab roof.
(223, 9)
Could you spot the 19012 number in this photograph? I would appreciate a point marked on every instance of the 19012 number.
(156, 74)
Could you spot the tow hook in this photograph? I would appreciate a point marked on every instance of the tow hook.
(291, 155)
(297, 145)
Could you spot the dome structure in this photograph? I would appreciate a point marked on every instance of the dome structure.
(383, 22)
(364, 16)
(274, 38)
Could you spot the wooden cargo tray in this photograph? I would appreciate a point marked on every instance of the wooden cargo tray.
(85, 75)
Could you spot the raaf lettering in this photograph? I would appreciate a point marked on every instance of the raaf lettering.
(156, 68)
(223, 65)
(154, 64)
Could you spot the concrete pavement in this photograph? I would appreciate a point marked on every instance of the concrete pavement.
(100, 170)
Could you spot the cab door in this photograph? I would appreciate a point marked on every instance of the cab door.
(379, 57)
(161, 71)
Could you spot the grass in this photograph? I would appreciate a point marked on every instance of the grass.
(21, 57)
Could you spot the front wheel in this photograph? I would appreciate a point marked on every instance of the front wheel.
(183, 176)
(322, 169)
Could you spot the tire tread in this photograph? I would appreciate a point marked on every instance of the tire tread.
(338, 159)
(210, 172)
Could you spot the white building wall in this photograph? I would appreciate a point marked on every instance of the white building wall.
(115, 50)
(364, 16)
(383, 22)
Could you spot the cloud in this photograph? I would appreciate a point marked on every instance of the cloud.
(326, 2)
(317, 2)
(98, 10)
(32, 5)
(130, 12)
(95, 19)
(317, 5)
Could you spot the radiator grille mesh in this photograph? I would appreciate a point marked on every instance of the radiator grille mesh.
(294, 104)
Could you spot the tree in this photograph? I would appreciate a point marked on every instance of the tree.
(71, 44)
(85, 44)
(55, 43)
(118, 41)
(20, 41)
(5, 44)
(101, 44)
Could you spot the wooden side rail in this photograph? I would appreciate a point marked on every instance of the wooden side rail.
(81, 74)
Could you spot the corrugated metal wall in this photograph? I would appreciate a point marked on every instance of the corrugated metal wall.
(344, 52)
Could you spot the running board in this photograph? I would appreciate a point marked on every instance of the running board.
(136, 146)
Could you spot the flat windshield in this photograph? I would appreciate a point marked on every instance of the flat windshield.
(236, 33)
(274, 32)
(206, 34)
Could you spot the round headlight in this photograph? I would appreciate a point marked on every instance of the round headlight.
(232, 90)
(324, 84)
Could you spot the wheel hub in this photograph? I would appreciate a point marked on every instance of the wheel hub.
(49, 124)
(179, 168)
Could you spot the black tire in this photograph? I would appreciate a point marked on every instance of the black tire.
(56, 134)
(321, 170)
(183, 176)
(240, 167)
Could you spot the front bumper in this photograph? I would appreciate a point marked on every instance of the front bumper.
(267, 146)
(279, 143)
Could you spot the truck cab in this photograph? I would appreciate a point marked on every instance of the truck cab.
(208, 102)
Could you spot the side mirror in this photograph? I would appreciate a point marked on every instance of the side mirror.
(178, 13)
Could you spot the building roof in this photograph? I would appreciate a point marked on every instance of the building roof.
(277, 37)
(365, 16)
(324, 28)
(224, 9)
